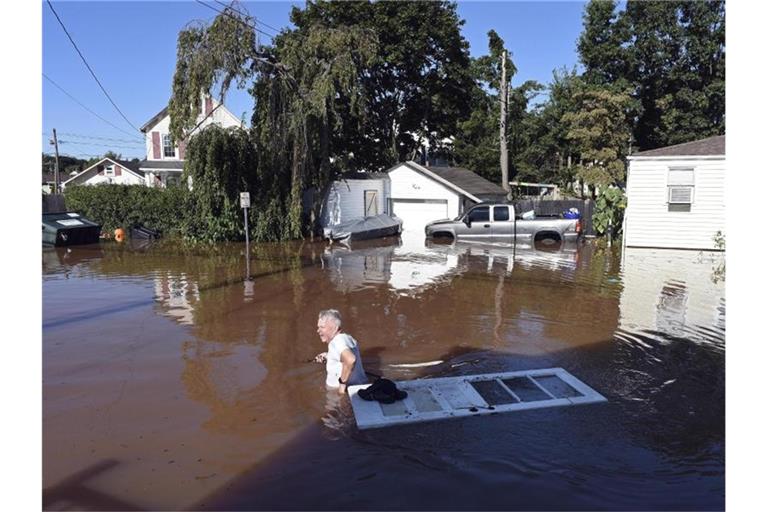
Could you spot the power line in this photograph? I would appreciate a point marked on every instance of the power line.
(255, 20)
(225, 13)
(94, 137)
(88, 66)
(98, 144)
(86, 108)
(263, 57)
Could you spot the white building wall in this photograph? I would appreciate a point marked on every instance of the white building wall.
(220, 116)
(409, 184)
(648, 221)
(346, 199)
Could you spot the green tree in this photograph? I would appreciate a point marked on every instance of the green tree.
(601, 46)
(547, 152)
(418, 86)
(599, 130)
(476, 144)
(671, 54)
(296, 86)
(220, 163)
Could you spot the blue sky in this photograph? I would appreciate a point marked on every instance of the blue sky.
(131, 46)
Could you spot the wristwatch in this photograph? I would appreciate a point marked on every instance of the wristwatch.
(342, 382)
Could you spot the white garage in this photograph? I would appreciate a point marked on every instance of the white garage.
(419, 194)
(417, 212)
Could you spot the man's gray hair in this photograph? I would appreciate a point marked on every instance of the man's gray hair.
(331, 314)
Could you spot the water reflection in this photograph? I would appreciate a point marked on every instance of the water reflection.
(411, 264)
(177, 295)
(674, 292)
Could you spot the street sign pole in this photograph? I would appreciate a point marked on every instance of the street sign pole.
(245, 203)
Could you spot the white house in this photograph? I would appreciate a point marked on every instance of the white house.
(165, 161)
(676, 196)
(108, 171)
(420, 194)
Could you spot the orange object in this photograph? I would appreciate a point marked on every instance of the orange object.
(119, 234)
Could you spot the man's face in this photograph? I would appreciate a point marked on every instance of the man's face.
(326, 329)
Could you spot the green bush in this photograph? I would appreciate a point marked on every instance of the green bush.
(609, 212)
(124, 206)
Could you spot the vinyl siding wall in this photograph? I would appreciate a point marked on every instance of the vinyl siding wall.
(220, 117)
(346, 199)
(648, 221)
(409, 184)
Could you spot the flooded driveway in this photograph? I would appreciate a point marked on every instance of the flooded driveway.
(169, 383)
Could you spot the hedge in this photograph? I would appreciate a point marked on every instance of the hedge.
(124, 206)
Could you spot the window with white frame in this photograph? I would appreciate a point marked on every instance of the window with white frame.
(109, 170)
(680, 185)
(168, 149)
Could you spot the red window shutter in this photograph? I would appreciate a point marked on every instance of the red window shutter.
(101, 170)
(118, 170)
(208, 105)
(182, 149)
(156, 145)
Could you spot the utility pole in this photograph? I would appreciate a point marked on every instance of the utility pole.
(56, 185)
(503, 127)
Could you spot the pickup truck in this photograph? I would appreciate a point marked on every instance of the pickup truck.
(497, 222)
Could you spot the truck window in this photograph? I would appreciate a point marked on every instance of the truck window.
(500, 213)
(479, 214)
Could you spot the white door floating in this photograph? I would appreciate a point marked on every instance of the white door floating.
(472, 395)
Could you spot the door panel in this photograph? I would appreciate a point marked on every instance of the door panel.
(503, 225)
(480, 226)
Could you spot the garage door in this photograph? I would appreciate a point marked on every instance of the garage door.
(416, 213)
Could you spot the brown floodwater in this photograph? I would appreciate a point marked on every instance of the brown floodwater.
(170, 382)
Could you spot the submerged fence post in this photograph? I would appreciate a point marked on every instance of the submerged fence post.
(245, 203)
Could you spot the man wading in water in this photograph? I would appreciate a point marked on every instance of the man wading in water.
(343, 364)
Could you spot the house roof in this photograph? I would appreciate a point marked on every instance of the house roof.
(468, 180)
(461, 180)
(132, 166)
(125, 164)
(355, 175)
(155, 119)
(711, 146)
(217, 105)
(171, 165)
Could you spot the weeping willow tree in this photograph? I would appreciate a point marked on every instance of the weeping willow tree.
(303, 87)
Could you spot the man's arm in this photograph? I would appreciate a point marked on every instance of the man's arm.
(348, 360)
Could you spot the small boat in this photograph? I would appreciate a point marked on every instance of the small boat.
(69, 228)
(364, 228)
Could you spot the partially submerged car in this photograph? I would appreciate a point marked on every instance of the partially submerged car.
(498, 222)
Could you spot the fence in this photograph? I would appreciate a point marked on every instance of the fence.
(53, 203)
(555, 207)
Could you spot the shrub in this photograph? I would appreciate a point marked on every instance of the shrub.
(124, 206)
(609, 212)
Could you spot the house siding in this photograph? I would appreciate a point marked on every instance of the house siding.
(648, 221)
(409, 184)
(154, 147)
(345, 199)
